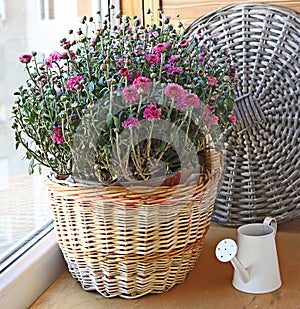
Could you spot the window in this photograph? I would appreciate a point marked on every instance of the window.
(47, 9)
(27, 240)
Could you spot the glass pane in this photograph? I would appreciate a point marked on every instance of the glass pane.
(24, 200)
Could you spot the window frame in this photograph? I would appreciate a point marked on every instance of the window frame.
(29, 276)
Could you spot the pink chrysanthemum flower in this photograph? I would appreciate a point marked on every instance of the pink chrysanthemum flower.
(232, 118)
(160, 48)
(66, 44)
(131, 122)
(54, 56)
(130, 94)
(93, 41)
(174, 91)
(75, 81)
(211, 81)
(190, 100)
(142, 82)
(153, 58)
(57, 138)
(151, 112)
(26, 58)
(184, 43)
(124, 71)
(175, 70)
(210, 117)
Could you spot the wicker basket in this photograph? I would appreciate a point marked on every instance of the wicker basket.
(262, 154)
(129, 242)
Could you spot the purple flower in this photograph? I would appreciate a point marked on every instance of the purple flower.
(202, 57)
(175, 70)
(122, 62)
(74, 117)
(174, 91)
(26, 58)
(154, 33)
(131, 122)
(130, 77)
(57, 138)
(167, 66)
(74, 81)
(130, 94)
(173, 59)
(151, 112)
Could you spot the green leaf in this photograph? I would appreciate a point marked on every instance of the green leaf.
(117, 122)
(31, 167)
(109, 119)
(91, 86)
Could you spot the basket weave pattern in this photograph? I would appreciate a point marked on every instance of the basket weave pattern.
(262, 154)
(129, 243)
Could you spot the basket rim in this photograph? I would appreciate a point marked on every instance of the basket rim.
(245, 5)
(191, 177)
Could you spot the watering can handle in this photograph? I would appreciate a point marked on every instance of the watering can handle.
(271, 221)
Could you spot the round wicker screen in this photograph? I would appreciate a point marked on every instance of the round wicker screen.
(262, 152)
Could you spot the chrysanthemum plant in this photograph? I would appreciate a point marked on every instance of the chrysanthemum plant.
(117, 99)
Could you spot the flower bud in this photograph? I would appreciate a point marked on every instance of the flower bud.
(140, 91)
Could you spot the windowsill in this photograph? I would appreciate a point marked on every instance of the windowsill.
(28, 277)
(208, 285)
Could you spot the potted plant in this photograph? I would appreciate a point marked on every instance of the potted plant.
(113, 114)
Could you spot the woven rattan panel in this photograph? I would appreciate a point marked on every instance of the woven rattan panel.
(262, 154)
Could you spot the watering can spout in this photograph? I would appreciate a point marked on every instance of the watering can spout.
(242, 272)
(226, 251)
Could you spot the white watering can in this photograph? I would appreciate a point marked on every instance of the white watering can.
(254, 259)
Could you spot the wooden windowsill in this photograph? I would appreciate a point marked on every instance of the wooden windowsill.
(208, 285)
